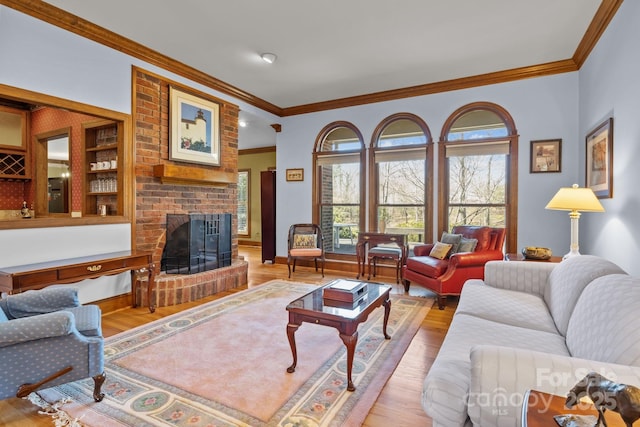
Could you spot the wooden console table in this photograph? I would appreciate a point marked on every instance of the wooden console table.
(40, 275)
(371, 240)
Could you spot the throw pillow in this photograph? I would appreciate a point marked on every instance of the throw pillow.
(3, 316)
(305, 241)
(440, 250)
(452, 239)
(467, 245)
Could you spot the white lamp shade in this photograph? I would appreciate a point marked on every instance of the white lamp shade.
(575, 199)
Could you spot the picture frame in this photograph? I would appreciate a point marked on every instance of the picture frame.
(295, 174)
(599, 160)
(194, 128)
(546, 156)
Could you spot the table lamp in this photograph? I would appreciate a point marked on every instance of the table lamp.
(574, 200)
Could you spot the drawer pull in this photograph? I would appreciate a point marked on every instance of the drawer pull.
(317, 321)
(94, 268)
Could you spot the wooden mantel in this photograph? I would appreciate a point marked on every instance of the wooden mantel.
(174, 174)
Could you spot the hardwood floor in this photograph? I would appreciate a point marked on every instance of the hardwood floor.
(399, 401)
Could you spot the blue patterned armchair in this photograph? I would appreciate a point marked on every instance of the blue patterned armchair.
(47, 338)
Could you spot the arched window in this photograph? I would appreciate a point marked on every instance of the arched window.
(338, 187)
(401, 178)
(478, 172)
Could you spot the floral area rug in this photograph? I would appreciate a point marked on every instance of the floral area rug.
(224, 364)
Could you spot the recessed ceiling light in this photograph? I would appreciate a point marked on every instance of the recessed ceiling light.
(242, 123)
(269, 58)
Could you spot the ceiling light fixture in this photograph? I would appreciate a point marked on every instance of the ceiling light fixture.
(242, 123)
(269, 58)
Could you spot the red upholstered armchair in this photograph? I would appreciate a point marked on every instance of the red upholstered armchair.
(446, 276)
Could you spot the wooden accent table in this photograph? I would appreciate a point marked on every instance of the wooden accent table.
(370, 241)
(310, 308)
(520, 257)
(540, 407)
(40, 275)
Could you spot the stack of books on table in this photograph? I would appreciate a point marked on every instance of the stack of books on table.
(344, 293)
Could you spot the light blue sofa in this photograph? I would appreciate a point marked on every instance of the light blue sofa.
(533, 325)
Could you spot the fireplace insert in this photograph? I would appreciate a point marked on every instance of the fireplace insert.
(196, 242)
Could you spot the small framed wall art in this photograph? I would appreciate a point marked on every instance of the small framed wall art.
(546, 156)
(195, 128)
(295, 174)
(599, 160)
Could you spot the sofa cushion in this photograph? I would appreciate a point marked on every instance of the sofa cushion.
(446, 387)
(568, 279)
(505, 306)
(605, 324)
(427, 266)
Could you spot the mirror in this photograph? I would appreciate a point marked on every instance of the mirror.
(58, 174)
(53, 172)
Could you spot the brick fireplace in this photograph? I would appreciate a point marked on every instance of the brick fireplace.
(159, 194)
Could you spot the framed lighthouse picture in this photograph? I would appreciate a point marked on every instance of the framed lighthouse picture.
(195, 128)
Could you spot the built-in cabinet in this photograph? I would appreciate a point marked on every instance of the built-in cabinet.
(103, 172)
(14, 149)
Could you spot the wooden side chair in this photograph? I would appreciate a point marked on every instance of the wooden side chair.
(305, 241)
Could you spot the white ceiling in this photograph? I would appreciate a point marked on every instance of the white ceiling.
(332, 49)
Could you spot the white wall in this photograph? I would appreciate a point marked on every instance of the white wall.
(542, 108)
(609, 86)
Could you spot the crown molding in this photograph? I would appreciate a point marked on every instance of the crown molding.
(599, 24)
(60, 18)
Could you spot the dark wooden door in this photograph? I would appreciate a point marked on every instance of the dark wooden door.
(268, 214)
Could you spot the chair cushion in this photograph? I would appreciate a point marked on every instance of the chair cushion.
(467, 245)
(306, 252)
(42, 301)
(385, 252)
(452, 239)
(427, 266)
(440, 250)
(305, 241)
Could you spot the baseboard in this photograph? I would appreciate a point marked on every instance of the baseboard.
(387, 271)
(250, 243)
(115, 303)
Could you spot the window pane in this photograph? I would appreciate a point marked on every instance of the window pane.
(340, 183)
(477, 179)
(243, 203)
(477, 124)
(407, 220)
(341, 139)
(401, 182)
(402, 132)
(477, 215)
(339, 225)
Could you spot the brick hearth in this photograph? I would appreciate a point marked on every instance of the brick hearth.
(172, 289)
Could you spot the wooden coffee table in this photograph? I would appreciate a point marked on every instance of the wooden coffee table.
(539, 409)
(311, 308)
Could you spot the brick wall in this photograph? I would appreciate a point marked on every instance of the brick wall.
(154, 199)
